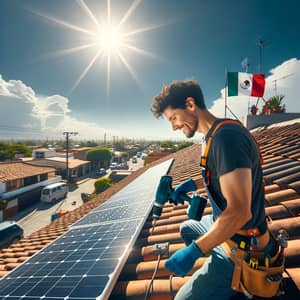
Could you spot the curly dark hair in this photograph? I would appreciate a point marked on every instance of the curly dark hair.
(175, 94)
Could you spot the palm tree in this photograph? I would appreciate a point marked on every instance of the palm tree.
(275, 103)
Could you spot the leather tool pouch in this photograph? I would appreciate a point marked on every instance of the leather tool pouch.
(263, 281)
(260, 281)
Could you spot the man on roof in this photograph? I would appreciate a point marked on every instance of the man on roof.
(233, 179)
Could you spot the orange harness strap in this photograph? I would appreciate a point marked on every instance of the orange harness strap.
(204, 156)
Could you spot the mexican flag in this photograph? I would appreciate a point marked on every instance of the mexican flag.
(245, 84)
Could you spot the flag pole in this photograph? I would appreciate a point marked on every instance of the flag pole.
(226, 87)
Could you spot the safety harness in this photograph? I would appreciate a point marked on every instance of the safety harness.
(255, 271)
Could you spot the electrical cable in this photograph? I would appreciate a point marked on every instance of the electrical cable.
(150, 286)
(154, 223)
(171, 287)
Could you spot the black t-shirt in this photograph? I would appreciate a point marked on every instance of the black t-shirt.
(232, 146)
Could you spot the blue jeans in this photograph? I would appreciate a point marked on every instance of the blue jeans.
(213, 280)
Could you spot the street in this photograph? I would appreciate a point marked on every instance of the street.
(39, 215)
(135, 166)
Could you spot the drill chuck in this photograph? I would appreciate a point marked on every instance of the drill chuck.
(156, 211)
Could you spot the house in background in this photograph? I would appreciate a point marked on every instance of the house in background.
(77, 168)
(20, 185)
(77, 164)
(81, 153)
(43, 153)
(155, 155)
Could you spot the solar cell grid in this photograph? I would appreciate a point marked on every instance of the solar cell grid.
(83, 264)
(130, 211)
(72, 264)
(135, 200)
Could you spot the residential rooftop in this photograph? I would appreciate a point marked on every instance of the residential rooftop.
(280, 149)
(19, 169)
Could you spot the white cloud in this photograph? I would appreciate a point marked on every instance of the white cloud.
(25, 114)
(287, 76)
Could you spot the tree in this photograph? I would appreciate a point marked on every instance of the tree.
(102, 184)
(99, 156)
(168, 145)
(183, 145)
(275, 103)
(8, 151)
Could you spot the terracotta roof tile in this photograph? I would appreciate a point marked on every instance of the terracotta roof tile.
(295, 186)
(282, 195)
(19, 170)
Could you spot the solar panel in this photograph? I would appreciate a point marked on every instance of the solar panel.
(135, 200)
(79, 263)
(84, 263)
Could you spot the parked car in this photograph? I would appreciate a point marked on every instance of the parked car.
(123, 166)
(54, 192)
(113, 166)
(101, 172)
(10, 232)
(134, 160)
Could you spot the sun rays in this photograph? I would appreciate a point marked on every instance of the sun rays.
(108, 40)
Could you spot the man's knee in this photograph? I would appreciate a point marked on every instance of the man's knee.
(188, 231)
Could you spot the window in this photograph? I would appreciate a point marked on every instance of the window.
(12, 185)
(30, 180)
(46, 192)
(43, 177)
(39, 154)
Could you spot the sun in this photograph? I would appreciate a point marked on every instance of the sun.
(109, 38)
(106, 38)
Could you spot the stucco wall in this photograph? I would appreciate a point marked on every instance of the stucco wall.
(265, 120)
(2, 187)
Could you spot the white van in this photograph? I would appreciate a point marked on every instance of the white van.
(54, 192)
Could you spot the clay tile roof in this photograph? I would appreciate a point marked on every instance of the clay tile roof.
(18, 170)
(282, 189)
(73, 162)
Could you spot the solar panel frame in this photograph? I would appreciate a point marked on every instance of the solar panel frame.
(64, 283)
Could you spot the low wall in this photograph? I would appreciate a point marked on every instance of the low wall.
(265, 120)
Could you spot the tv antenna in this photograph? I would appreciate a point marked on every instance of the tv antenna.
(261, 44)
(245, 64)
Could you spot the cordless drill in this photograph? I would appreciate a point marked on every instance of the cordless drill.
(165, 193)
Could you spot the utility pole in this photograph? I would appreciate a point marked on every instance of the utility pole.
(67, 134)
(114, 141)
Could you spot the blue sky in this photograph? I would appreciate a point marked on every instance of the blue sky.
(191, 38)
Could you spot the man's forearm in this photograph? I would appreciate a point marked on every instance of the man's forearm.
(227, 224)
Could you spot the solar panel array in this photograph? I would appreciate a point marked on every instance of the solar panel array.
(84, 263)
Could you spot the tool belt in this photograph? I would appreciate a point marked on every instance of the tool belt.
(255, 272)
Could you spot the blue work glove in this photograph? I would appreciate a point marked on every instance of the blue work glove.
(183, 260)
(179, 194)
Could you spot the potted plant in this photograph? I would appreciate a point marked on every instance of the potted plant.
(276, 105)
